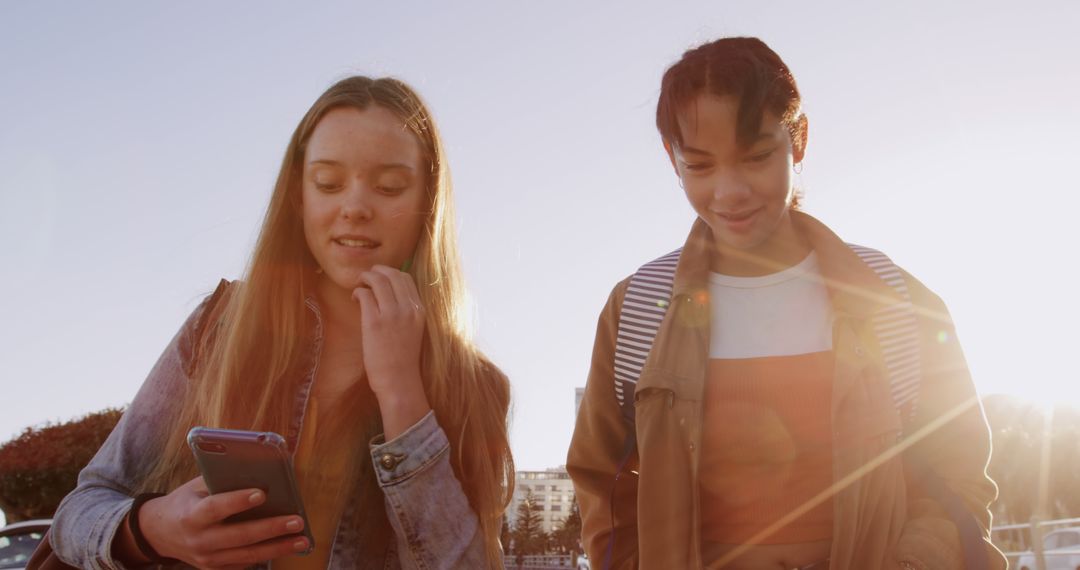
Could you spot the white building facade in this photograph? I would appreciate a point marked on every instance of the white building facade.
(551, 489)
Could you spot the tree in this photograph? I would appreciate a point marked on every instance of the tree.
(528, 535)
(567, 537)
(1019, 431)
(504, 534)
(40, 466)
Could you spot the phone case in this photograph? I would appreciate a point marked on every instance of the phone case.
(236, 459)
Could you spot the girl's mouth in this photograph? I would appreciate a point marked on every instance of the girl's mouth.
(740, 221)
(356, 242)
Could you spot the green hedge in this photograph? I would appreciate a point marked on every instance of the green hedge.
(42, 464)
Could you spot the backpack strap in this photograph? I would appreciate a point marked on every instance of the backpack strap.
(646, 301)
(897, 333)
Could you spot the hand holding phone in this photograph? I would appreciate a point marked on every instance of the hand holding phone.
(245, 509)
(235, 460)
(189, 524)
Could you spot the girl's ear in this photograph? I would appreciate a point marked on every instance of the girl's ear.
(799, 138)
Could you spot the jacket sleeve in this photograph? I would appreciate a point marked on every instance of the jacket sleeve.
(427, 507)
(953, 443)
(597, 448)
(87, 519)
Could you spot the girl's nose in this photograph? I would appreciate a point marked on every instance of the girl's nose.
(356, 204)
(730, 188)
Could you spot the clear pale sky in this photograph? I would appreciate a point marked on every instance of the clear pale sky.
(139, 143)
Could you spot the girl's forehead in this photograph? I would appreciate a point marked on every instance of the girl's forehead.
(373, 133)
(714, 121)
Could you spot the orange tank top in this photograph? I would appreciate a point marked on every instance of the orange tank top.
(767, 449)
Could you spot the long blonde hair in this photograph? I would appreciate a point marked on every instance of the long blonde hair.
(244, 371)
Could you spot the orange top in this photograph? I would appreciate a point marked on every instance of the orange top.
(319, 481)
(767, 448)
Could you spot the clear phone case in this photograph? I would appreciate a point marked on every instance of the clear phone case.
(236, 459)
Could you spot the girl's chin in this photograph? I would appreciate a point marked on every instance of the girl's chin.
(340, 280)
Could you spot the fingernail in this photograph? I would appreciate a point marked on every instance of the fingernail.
(300, 544)
(292, 525)
(255, 497)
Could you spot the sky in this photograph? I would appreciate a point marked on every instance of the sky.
(139, 143)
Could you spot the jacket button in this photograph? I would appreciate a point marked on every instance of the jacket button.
(389, 461)
(691, 447)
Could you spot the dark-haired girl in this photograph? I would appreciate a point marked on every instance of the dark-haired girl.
(771, 427)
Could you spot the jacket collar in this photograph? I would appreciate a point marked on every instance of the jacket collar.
(854, 288)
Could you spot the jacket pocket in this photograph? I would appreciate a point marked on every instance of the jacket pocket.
(654, 378)
(653, 397)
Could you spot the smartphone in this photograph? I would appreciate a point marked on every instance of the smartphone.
(237, 459)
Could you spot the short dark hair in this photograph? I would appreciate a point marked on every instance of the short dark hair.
(743, 67)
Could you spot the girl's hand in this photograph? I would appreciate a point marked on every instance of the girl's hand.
(188, 524)
(392, 321)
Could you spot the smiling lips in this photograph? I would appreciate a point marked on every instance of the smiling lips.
(357, 242)
(739, 221)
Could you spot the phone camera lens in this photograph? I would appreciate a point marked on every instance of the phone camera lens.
(211, 447)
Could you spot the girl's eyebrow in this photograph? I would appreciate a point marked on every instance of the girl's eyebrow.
(384, 166)
(395, 166)
(690, 149)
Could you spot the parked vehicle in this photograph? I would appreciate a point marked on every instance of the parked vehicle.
(1061, 549)
(583, 562)
(18, 541)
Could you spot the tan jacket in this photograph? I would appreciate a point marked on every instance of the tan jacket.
(881, 516)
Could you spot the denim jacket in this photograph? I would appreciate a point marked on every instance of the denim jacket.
(431, 518)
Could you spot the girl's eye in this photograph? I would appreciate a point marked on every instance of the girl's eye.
(326, 186)
(759, 157)
(696, 166)
(391, 190)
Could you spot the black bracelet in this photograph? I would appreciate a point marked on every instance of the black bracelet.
(136, 532)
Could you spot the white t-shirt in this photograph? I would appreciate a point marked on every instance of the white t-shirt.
(780, 314)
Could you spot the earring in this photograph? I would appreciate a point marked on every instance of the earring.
(681, 183)
(797, 167)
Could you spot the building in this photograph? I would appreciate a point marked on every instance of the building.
(552, 489)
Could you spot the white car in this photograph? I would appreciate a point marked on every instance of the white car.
(18, 541)
(1061, 550)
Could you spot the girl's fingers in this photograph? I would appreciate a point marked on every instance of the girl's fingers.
(216, 508)
(404, 287)
(236, 535)
(253, 554)
(368, 304)
(380, 286)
